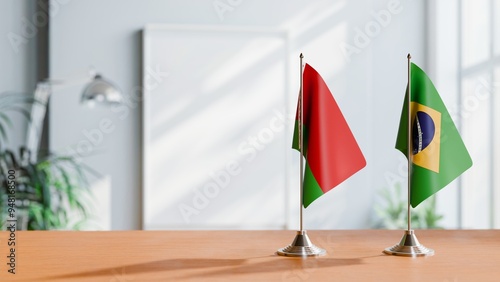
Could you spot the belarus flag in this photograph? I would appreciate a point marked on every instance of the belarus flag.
(330, 149)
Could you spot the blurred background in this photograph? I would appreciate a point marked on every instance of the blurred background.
(201, 138)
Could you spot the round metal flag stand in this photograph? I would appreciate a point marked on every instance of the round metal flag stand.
(409, 247)
(301, 247)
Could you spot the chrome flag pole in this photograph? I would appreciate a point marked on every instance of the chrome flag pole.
(301, 245)
(409, 245)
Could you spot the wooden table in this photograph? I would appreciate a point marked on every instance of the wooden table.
(461, 255)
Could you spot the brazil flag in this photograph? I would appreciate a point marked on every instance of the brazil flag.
(438, 153)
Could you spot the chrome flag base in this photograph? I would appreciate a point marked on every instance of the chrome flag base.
(301, 247)
(409, 247)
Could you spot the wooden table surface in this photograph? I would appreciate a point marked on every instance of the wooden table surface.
(354, 255)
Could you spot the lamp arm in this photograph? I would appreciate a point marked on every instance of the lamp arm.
(71, 81)
(38, 111)
(58, 84)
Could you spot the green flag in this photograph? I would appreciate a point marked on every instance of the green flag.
(438, 153)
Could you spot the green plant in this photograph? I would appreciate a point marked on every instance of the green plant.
(47, 189)
(52, 191)
(392, 212)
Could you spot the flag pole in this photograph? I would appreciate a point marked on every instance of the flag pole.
(409, 246)
(301, 141)
(408, 143)
(301, 245)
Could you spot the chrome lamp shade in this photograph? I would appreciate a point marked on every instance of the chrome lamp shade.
(102, 91)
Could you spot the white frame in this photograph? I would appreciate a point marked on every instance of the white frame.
(146, 102)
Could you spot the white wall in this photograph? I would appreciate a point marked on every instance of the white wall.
(18, 57)
(368, 86)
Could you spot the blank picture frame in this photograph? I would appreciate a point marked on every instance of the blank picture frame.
(216, 127)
